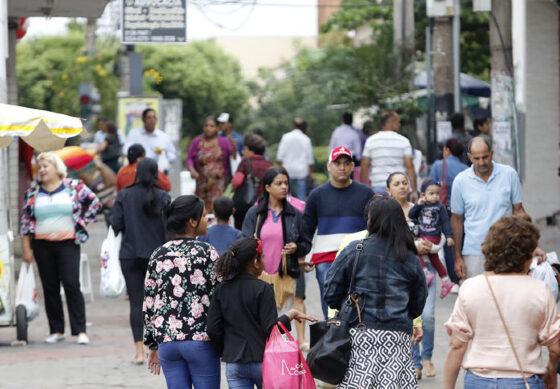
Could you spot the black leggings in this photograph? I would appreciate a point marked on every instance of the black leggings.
(60, 262)
(134, 271)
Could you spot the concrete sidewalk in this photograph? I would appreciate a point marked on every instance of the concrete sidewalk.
(105, 363)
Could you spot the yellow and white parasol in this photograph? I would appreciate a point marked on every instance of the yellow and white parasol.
(42, 130)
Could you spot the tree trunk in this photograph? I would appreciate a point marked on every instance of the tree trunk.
(442, 55)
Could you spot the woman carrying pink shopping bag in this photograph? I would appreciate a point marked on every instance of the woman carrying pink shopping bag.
(243, 314)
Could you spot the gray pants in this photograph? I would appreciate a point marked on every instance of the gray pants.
(474, 265)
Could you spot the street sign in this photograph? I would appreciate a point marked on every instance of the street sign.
(154, 21)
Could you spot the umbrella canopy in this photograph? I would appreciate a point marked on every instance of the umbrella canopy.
(469, 85)
(42, 130)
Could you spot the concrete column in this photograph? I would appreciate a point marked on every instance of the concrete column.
(540, 96)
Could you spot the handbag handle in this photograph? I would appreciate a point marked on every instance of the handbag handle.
(507, 332)
(286, 332)
(351, 297)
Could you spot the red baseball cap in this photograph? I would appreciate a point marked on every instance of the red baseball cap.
(338, 152)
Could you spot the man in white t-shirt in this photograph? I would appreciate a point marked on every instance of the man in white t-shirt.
(296, 155)
(387, 152)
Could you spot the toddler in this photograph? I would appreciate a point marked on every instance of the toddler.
(432, 219)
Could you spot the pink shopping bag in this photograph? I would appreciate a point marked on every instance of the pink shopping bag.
(284, 366)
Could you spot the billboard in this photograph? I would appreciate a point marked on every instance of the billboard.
(154, 21)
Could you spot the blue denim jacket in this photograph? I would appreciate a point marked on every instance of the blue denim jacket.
(392, 292)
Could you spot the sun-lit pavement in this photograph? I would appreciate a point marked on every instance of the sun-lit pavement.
(105, 363)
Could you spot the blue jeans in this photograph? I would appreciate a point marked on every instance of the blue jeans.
(244, 375)
(428, 325)
(473, 381)
(189, 363)
(298, 187)
(321, 270)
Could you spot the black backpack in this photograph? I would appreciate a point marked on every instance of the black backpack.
(246, 195)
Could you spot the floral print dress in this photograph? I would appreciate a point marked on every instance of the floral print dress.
(178, 288)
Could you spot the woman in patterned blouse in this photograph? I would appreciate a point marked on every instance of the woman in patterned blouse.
(178, 287)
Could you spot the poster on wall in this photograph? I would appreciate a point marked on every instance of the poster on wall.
(130, 112)
(171, 119)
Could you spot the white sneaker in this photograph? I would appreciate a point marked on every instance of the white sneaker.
(54, 338)
(83, 338)
(455, 289)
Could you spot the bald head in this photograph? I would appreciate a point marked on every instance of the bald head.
(480, 143)
(480, 154)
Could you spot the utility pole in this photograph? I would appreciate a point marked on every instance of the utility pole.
(442, 60)
(403, 28)
(503, 104)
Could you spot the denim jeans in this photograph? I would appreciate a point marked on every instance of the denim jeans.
(428, 325)
(189, 363)
(298, 187)
(244, 375)
(473, 381)
(321, 270)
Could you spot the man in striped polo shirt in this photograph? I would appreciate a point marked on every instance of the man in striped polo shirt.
(334, 210)
(387, 152)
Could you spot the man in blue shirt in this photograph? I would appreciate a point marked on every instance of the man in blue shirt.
(225, 124)
(481, 195)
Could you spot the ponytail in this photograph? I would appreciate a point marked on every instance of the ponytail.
(236, 260)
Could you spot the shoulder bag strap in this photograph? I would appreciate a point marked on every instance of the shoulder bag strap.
(354, 299)
(507, 333)
(257, 225)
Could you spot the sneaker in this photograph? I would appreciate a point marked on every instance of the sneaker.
(446, 287)
(54, 338)
(429, 368)
(429, 276)
(455, 289)
(83, 338)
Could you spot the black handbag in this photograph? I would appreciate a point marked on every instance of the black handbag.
(329, 356)
(245, 196)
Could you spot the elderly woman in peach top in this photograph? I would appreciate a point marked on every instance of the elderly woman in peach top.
(503, 318)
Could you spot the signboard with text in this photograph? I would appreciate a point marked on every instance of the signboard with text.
(154, 21)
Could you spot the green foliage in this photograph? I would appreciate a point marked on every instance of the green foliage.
(356, 13)
(207, 80)
(49, 70)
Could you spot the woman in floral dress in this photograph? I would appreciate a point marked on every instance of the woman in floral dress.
(178, 287)
(209, 163)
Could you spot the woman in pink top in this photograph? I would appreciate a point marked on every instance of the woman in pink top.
(496, 352)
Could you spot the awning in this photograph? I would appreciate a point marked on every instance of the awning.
(42, 130)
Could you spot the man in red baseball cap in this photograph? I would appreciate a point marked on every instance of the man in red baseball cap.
(334, 210)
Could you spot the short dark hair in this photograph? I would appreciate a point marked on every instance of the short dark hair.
(255, 143)
(386, 116)
(347, 118)
(458, 121)
(300, 124)
(427, 183)
(111, 127)
(223, 208)
(146, 112)
(134, 152)
(455, 147)
(509, 244)
(479, 121)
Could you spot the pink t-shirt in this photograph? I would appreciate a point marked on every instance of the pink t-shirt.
(273, 243)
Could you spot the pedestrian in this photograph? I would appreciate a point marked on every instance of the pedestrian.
(55, 213)
(99, 136)
(110, 148)
(348, 136)
(422, 352)
(473, 213)
(444, 171)
(386, 152)
(390, 291)
(178, 287)
(209, 163)
(243, 313)
(503, 318)
(158, 144)
(432, 220)
(137, 214)
(127, 174)
(280, 227)
(225, 125)
(333, 210)
(295, 154)
(251, 170)
(221, 235)
(482, 126)
(462, 136)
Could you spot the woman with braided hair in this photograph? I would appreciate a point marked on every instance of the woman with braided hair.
(243, 312)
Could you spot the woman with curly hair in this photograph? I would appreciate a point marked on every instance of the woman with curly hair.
(504, 317)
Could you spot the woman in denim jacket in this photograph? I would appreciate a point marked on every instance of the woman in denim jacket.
(392, 289)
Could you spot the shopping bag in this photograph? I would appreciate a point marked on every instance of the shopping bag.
(284, 365)
(112, 280)
(26, 292)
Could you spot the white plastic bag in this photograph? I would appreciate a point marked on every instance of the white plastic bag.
(26, 293)
(112, 282)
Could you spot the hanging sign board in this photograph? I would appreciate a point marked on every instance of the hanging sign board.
(154, 21)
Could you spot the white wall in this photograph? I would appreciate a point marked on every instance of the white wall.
(540, 86)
